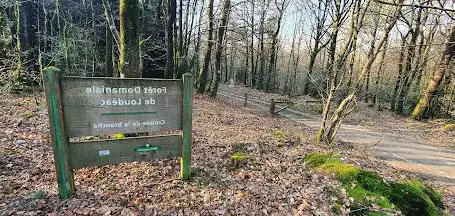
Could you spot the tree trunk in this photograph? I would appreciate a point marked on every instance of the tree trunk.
(109, 72)
(110, 23)
(433, 84)
(375, 30)
(253, 70)
(410, 54)
(17, 74)
(400, 73)
(426, 55)
(287, 82)
(331, 74)
(129, 39)
(260, 76)
(169, 38)
(296, 60)
(197, 48)
(247, 60)
(272, 63)
(321, 18)
(219, 47)
(375, 99)
(208, 52)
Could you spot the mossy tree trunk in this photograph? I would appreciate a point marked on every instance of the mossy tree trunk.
(129, 59)
(17, 74)
(435, 81)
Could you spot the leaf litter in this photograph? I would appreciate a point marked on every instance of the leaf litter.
(272, 181)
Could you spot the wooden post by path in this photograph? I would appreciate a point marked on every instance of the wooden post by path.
(185, 168)
(245, 102)
(59, 139)
(272, 107)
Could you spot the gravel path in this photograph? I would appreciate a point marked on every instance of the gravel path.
(403, 152)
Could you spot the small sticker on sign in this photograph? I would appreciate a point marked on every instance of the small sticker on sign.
(104, 153)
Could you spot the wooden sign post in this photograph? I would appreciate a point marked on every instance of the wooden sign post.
(80, 107)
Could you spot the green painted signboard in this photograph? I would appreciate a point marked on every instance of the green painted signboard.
(80, 107)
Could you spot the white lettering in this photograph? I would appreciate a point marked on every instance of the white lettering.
(112, 90)
(125, 102)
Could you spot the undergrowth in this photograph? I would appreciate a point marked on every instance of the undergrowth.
(376, 196)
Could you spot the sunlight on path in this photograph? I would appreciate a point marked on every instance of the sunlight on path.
(402, 152)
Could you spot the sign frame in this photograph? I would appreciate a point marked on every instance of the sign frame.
(145, 148)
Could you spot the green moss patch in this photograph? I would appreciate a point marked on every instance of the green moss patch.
(449, 127)
(370, 191)
(238, 157)
(27, 114)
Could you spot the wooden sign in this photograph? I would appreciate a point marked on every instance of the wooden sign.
(98, 106)
(81, 107)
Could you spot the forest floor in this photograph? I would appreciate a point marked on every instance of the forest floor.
(273, 180)
(400, 142)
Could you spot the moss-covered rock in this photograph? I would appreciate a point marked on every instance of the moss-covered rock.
(368, 189)
(373, 182)
(316, 159)
(413, 198)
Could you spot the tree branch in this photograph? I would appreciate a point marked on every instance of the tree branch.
(110, 22)
(414, 5)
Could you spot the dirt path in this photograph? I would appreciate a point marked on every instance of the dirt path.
(402, 152)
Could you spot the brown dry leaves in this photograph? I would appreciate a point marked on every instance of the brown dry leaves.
(273, 181)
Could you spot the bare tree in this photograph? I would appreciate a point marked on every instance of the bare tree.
(219, 47)
(320, 13)
(281, 7)
(208, 52)
(329, 128)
